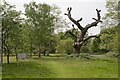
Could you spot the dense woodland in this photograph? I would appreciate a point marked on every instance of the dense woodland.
(33, 32)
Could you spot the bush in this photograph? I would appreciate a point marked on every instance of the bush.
(113, 54)
(65, 46)
(56, 55)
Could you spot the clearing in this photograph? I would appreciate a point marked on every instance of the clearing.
(61, 67)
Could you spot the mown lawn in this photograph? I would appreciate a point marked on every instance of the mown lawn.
(61, 67)
(0, 72)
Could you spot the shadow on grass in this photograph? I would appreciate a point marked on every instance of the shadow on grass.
(30, 70)
(50, 67)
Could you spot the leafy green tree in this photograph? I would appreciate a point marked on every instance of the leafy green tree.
(1, 8)
(11, 34)
(65, 46)
(95, 47)
(110, 27)
(109, 39)
(41, 19)
(111, 17)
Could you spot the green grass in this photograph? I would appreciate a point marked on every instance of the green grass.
(61, 67)
(0, 71)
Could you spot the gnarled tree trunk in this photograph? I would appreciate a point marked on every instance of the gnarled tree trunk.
(79, 40)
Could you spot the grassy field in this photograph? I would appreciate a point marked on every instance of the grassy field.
(0, 72)
(62, 67)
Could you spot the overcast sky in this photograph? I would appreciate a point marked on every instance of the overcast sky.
(80, 8)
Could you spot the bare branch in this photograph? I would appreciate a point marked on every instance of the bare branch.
(73, 28)
(96, 20)
(73, 25)
(79, 20)
(91, 37)
(98, 14)
(73, 36)
(79, 40)
(65, 14)
(73, 20)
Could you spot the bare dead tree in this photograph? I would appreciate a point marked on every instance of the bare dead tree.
(79, 41)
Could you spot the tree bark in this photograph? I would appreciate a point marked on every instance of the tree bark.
(8, 55)
(43, 53)
(79, 40)
(39, 54)
(31, 50)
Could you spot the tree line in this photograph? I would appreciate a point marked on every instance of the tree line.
(33, 32)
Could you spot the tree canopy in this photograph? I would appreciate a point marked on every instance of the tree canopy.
(32, 33)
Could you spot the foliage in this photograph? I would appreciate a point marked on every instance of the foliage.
(36, 33)
(11, 30)
(95, 47)
(86, 47)
(42, 20)
(111, 17)
(109, 38)
(32, 34)
(110, 28)
(65, 46)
